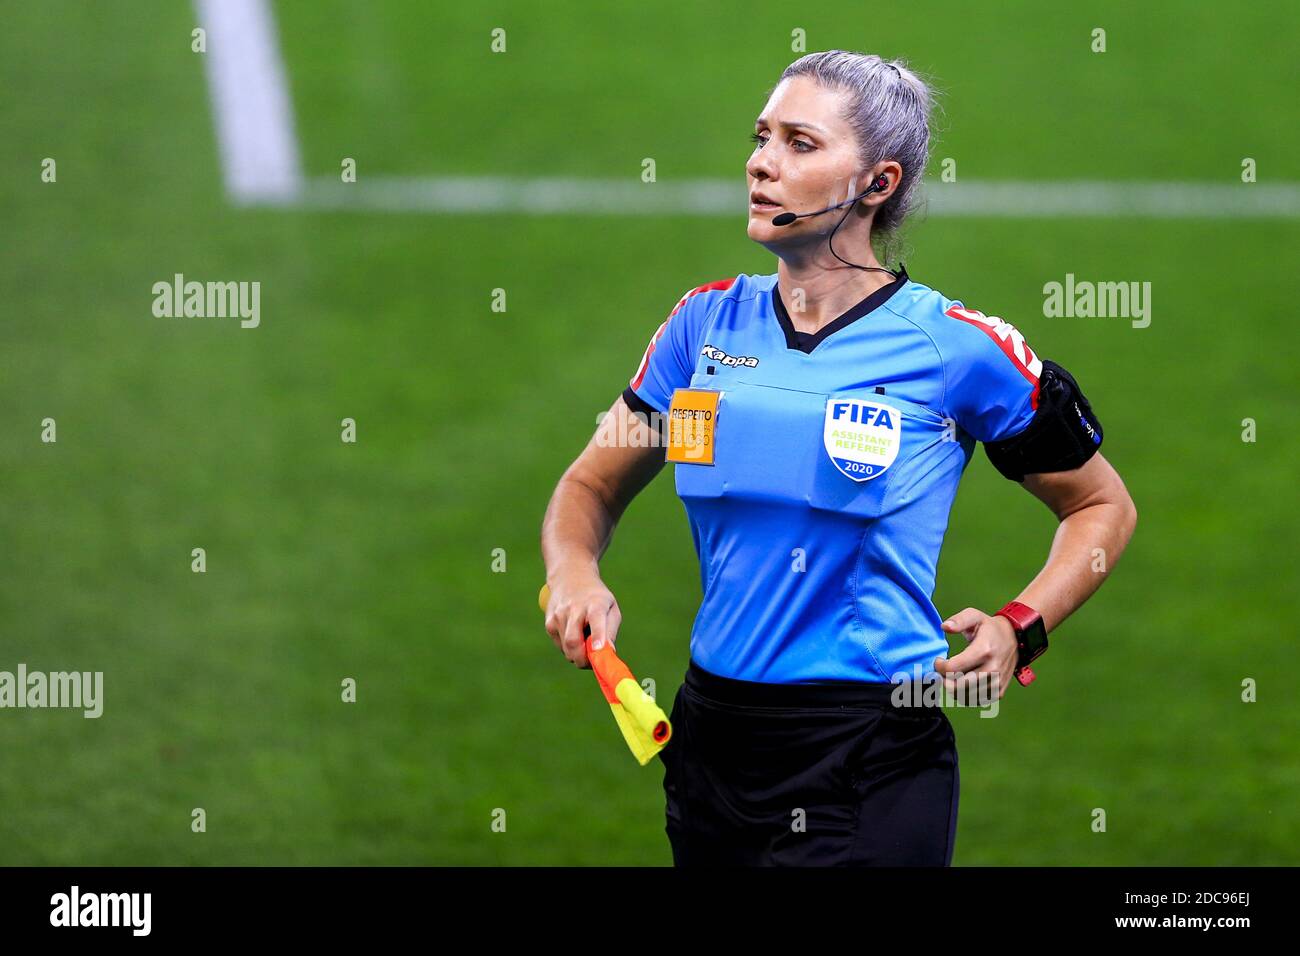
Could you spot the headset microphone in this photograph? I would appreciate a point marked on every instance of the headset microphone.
(880, 184)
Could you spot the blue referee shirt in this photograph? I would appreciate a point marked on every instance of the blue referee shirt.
(836, 460)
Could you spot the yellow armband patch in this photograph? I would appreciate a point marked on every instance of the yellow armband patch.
(692, 422)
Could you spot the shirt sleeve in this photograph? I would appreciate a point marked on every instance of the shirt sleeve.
(669, 359)
(991, 376)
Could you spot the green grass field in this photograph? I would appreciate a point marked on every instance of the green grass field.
(373, 560)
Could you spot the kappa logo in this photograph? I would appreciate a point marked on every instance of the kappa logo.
(862, 437)
(717, 355)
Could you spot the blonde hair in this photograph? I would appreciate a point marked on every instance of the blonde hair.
(889, 108)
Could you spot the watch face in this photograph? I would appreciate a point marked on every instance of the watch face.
(1034, 638)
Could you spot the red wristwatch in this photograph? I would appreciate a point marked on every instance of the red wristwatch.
(1031, 637)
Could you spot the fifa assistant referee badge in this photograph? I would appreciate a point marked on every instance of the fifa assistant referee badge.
(1031, 637)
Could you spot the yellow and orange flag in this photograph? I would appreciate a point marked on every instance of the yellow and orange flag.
(644, 725)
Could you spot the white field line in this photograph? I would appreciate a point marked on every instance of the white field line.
(253, 114)
(251, 107)
(723, 197)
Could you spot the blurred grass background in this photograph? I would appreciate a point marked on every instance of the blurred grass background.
(374, 560)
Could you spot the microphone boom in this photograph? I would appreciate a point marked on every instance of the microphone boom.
(788, 217)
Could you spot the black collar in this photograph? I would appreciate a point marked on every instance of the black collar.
(806, 342)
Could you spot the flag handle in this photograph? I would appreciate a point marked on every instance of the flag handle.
(645, 726)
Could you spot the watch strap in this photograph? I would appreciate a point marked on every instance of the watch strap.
(1022, 618)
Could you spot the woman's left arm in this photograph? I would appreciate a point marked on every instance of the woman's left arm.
(1097, 518)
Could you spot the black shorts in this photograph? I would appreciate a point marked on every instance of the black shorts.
(828, 774)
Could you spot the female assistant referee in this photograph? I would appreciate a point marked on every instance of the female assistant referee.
(819, 419)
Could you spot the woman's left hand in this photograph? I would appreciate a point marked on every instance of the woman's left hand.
(992, 650)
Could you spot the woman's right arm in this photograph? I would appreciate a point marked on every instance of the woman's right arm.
(586, 505)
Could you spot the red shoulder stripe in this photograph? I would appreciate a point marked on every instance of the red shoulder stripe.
(1009, 339)
(720, 286)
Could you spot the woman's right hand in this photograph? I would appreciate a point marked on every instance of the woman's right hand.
(580, 600)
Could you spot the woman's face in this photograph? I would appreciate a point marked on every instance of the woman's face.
(805, 159)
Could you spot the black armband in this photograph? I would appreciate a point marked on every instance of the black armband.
(1063, 434)
(637, 404)
(652, 417)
